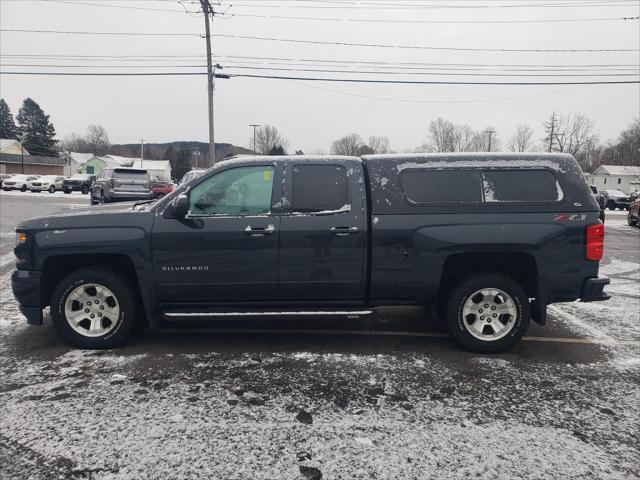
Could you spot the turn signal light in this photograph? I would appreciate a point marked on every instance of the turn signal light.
(21, 238)
(595, 242)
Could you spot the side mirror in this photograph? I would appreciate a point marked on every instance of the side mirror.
(179, 207)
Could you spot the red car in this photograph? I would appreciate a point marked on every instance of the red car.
(634, 213)
(160, 189)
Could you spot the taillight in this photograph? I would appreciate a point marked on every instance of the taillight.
(595, 242)
(112, 183)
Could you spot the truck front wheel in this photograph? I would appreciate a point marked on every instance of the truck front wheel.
(94, 308)
(488, 313)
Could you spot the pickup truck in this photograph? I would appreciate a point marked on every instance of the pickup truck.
(488, 240)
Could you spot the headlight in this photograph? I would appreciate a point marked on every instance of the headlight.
(21, 238)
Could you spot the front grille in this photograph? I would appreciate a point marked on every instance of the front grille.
(36, 184)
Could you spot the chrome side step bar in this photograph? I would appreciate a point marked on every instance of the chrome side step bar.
(352, 313)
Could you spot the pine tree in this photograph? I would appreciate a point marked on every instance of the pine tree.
(8, 127)
(36, 132)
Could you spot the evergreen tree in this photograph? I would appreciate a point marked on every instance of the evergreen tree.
(36, 132)
(8, 127)
(277, 150)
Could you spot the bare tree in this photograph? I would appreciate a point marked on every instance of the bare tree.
(349, 145)
(575, 134)
(74, 143)
(97, 139)
(268, 138)
(520, 141)
(379, 144)
(445, 136)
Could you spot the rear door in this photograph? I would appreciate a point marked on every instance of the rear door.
(130, 180)
(322, 234)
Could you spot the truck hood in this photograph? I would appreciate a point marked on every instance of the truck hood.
(115, 215)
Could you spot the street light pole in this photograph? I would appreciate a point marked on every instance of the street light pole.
(254, 125)
(490, 132)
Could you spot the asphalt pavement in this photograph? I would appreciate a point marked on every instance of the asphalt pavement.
(386, 396)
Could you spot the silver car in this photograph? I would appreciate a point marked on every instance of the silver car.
(120, 184)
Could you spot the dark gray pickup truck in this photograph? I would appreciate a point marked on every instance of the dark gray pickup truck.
(488, 239)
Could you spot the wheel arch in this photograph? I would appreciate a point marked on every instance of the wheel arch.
(55, 268)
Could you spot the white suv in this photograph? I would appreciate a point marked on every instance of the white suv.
(18, 182)
(46, 182)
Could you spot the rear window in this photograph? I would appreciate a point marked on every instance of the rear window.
(318, 188)
(442, 186)
(131, 174)
(476, 186)
(521, 186)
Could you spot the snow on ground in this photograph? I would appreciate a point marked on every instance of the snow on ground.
(224, 407)
(73, 195)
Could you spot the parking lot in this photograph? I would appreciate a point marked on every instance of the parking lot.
(384, 397)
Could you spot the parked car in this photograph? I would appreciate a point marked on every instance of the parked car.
(617, 199)
(160, 189)
(190, 175)
(600, 198)
(489, 240)
(50, 183)
(634, 213)
(120, 184)
(18, 182)
(4, 176)
(79, 182)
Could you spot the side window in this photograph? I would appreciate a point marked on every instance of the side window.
(521, 186)
(319, 188)
(442, 186)
(238, 191)
(619, 181)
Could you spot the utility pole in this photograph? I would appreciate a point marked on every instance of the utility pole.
(254, 125)
(552, 131)
(207, 9)
(141, 153)
(22, 156)
(490, 132)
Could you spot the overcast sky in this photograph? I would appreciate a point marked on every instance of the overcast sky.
(312, 114)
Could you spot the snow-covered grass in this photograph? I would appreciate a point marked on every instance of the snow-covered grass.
(73, 195)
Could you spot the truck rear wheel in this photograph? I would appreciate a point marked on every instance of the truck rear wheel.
(94, 308)
(488, 313)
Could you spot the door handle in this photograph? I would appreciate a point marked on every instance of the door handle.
(259, 231)
(344, 231)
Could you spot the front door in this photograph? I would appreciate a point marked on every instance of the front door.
(226, 249)
(322, 235)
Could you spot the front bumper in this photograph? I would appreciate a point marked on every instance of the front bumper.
(593, 290)
(26, 289)
(39, 188)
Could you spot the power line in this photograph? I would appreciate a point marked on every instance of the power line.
(322, 62)
(426, 47)
(317, 79)
(392, 21)
(335, 43)
(394, 6)
(355, 72)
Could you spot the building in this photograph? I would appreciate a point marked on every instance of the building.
(75, 161)
(32, 164)
(158, 169)
(616, 177)
(12, 147)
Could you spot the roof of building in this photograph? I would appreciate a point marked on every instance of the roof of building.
(10, 142)
(151, 164)
(617, 170)
(80, 158)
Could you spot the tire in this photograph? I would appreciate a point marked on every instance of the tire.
(52, 189)
(159, 196)
(632, 222)
(85, 190)
(464, 298)
(117, 298)
(611, 205)
(67, 191)
(23, 188)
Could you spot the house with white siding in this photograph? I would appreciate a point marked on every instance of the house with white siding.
(616, 177)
